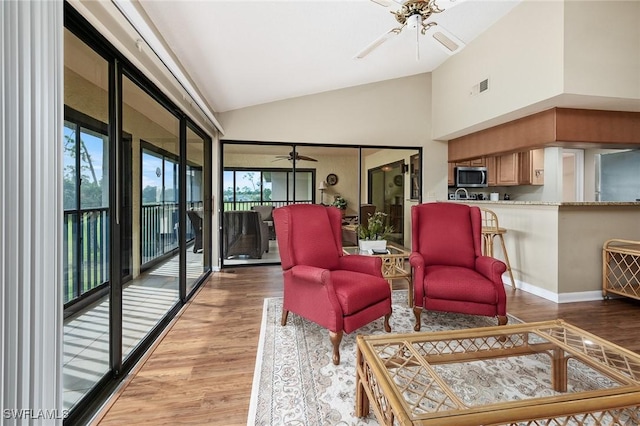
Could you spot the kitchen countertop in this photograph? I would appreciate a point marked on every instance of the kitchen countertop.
(550, 203)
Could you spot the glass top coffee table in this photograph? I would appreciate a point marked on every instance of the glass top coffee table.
(395, 265)
(409, 379)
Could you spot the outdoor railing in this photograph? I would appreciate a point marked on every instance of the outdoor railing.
(159, 229)
(246, 205)
(86, 251)
(86, 243)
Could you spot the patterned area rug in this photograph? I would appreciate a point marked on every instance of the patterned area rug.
(295, 382)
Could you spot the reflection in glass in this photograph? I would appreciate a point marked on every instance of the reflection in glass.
(86, 217)
(197, 240)
(70, 180)
(153, 289)
(94, 177)
(151, 178)
(254, 177)
(387, 184)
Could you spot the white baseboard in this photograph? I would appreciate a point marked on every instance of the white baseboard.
(582, 296)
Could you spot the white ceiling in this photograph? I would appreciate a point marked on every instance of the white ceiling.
(242, 53)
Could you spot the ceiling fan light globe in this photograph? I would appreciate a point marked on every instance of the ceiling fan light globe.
(413, 21)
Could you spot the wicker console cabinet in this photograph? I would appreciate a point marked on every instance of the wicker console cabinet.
(621, 268)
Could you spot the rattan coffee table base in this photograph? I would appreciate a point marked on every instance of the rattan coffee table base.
(397, 379)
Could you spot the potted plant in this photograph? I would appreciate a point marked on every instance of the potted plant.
(339, 202)
(372, 236)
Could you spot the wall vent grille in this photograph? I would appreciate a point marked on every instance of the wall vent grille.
(481, 87)
(484, 85)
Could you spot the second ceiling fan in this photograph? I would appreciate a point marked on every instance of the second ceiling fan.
(294, 156)
(414, 14)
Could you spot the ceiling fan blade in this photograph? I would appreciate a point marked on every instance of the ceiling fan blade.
(304, 157)
(446, 40)
(387, 3)
(377, 42)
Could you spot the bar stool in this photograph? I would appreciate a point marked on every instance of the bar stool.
(490, 230)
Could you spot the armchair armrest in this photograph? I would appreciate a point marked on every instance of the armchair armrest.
(310, 274)
(491, 268)
(371, 265)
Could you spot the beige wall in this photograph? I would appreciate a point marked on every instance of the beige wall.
(388, 113)
(582, 231)
(532, 245)
(393, 112)
(555, 250)
(535, 58)
(602, 37)
(521, 55)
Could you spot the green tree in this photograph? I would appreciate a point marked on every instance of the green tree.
(149, 195)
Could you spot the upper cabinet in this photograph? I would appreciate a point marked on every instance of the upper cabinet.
(532, 167)
(507, 172)
(452, 166)
(490, 163)
(518, 168)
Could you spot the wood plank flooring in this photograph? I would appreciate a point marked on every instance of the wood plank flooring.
(202, 371)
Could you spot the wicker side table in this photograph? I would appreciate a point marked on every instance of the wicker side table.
(621, 268)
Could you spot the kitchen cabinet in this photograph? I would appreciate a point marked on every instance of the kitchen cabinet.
(518, 168)
(451, 178)
(532, 167)
(507, 171)
(490, 163)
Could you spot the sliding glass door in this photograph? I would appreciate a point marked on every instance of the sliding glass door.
(154, 287)
(197, 238)
(87, 216)
(364, 179)
(272, 175)
(137, 215)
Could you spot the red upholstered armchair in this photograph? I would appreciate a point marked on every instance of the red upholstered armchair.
(449, 272)
(339, 292)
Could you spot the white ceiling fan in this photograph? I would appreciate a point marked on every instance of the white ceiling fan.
(414, 14)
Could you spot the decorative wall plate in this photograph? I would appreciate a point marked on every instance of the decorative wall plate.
(332, 179)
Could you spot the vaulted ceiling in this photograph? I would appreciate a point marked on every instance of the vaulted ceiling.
(244, 53)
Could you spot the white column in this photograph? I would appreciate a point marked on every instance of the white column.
(31, 211)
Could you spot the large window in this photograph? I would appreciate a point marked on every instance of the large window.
(159, 224)
(245, 188)
(86, 205)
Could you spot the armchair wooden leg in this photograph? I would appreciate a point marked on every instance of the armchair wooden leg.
(285, 315)
(502, 320)
(417, 312)
(387, 327)
(336, 338)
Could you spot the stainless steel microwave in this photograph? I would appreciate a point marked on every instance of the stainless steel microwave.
(471, 177)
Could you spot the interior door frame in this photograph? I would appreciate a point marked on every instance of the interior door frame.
(402, 166)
